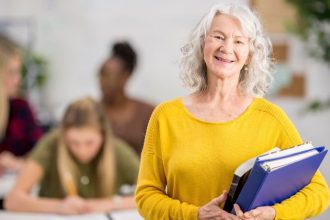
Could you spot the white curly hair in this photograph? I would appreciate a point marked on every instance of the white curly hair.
(256, 79)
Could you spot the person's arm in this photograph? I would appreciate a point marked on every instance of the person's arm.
(20, 198)
(9, 161)
(313, 198)
(152, 201)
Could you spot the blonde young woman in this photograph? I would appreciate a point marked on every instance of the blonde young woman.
(193, 144)
(19, 130)
(80, 167)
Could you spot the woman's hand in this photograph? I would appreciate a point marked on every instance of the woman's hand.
(212, 210)
(100, 205)
(72, 205)
(260, 213)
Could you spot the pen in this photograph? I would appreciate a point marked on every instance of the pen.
(70, 184)
(108, 216)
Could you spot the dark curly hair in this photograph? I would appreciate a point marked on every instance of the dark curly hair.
(125, 52)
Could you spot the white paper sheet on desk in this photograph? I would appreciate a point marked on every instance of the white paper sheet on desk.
(119, 215)
(7, 181)
(126, 215)
(30, 216)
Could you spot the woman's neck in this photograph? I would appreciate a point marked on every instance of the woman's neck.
(222, 93)
(118, 100)
(220, 102)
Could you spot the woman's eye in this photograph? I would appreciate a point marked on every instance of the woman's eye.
(219, 37)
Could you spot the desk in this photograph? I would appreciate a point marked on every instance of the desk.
(7, 181)
(118, 215)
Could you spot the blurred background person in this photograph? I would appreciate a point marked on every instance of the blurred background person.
(80, 167)
(19, 130)
(129, 117)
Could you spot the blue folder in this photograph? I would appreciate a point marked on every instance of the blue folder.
(266, 188)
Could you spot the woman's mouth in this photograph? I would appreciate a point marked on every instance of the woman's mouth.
(223, 59)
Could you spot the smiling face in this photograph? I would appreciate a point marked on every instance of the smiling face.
(84, 143)
(226, 47)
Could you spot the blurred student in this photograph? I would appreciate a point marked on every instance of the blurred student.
(80, 167)
(129, 117)
(18, 128)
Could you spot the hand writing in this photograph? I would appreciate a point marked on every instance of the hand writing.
(73, 205)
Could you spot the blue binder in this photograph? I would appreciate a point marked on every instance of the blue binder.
(265, 188)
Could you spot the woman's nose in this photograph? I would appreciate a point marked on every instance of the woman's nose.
(227, 47)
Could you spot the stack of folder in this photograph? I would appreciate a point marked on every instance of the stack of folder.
(274, 176)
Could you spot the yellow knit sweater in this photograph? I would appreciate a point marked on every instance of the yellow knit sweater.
(186, 162)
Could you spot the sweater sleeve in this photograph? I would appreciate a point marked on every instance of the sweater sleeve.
(313, 198)
(151, 198)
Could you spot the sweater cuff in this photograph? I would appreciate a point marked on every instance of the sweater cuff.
(278, 211)
(193, 213)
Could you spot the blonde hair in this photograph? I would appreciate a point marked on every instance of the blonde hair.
(256, 80)
(8, 49)
(81, 113)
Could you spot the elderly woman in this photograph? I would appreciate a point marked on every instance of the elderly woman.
(193, 144)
